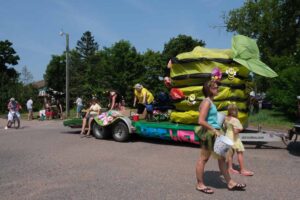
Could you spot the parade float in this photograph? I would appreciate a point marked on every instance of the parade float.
(188, 71)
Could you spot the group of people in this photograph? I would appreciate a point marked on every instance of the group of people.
(143, 100)
(51, 109)
(211, 129)
(208, 120)
(14, 108)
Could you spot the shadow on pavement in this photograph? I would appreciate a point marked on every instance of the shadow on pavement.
(294, 148)
(213, 179)
(75, 132)
(158, 141)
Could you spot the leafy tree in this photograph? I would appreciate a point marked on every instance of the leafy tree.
(154, 70)
(82, 66)
(179, 44)
(7, 55)
(77, 76)
(285, 88)
(55, 75)
(87, 46)
(9, 76)
(275, 24)
(125, 68)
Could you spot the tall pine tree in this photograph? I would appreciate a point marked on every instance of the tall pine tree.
(87, 46)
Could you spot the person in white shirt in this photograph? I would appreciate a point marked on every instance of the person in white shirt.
(29, 108)
(93, 111)
(79, 106)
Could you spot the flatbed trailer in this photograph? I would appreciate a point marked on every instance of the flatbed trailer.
(122, 127)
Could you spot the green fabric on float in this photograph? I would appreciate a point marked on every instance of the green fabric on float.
(224, 93)
(191, 117)
(185, 105)
(205, 67)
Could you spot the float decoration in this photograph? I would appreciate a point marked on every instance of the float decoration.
(231, 73)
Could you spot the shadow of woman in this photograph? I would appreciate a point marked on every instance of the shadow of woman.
(214, 179)
(294, 148)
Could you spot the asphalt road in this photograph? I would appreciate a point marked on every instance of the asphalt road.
(44, 160)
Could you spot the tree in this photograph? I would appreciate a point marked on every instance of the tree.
(179, 44)
(26, 76)
(9, 76)
(276, 26)
(124, 67)
(274, 23)
(154, 69)
(87, 46)
(55, 75)
(7, 55)
(77, 74)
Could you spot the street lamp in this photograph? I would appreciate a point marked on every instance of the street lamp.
(67, 71)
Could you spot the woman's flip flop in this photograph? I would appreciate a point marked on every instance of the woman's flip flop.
(205, 190)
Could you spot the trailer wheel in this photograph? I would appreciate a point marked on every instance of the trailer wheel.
(120, 132)
(100, 132)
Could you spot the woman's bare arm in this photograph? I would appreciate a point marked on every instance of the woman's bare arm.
(204, 107)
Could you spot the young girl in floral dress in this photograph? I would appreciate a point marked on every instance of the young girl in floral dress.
(233, 127)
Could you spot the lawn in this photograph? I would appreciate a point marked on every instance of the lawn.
(270, 119)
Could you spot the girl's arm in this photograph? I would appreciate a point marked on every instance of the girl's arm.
(236, 131)
(237, 126)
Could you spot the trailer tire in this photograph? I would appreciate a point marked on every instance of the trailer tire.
(120, 132)
(100, 132)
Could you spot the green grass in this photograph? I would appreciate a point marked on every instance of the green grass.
(270, 119)
(36, 114)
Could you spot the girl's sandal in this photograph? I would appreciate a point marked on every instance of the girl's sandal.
(247, 173)
(233, 171)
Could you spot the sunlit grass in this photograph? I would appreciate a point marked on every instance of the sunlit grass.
(270, 119)
(24, 115)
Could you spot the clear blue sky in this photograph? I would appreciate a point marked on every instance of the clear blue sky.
(33, 26)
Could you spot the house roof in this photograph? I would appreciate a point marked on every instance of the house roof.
(39, 84)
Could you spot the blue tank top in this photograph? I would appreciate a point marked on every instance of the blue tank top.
(212, 115)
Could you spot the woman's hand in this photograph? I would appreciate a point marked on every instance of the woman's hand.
(217, 132)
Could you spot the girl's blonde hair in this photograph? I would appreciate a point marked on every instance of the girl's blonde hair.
(232, 110)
